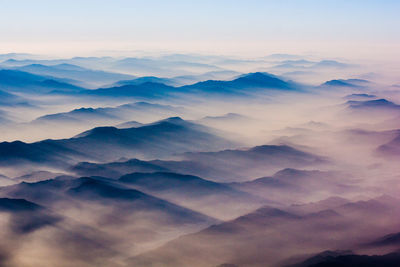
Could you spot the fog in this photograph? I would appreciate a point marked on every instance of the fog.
(222, 164)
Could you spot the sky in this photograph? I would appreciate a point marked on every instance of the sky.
(362, 28)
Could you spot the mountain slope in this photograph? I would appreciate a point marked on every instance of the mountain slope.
(69, 71)
(242, 85)
(159, 139)
(211, 198)
(20, 81)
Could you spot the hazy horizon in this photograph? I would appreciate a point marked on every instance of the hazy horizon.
(362, 30)
(199, 133)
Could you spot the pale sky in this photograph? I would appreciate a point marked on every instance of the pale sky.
(250, 27)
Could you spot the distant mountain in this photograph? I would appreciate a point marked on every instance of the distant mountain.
(101, 190)
(8, 56)
(26, 217)
(127, 216)
(242, 164)
(159, 139)
(36, 176)
(212, 75)
(315, 207)
(145, 79)
(360, 96)
(291, 185)
(378, 104)
(226, 165)
(306, 65)
(387, 240)
(211, 198)
(258, 235)
(241, 85)
(20, 81)
(69, 71)
(346, 259)
(115, 169)
(352, 83)
(143, 90)
(220, 241)
(159, 66)
(152, 88)
(97, 190)
(113, 115)
(330, 64)
(9, 99)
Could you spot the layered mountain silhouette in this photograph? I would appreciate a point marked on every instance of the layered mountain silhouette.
(26, 216)
(83, 76)
(352, 83)
(215, 199)
(152, 88)
(242, 84)
(377, 104)
(159, 139)
(122, 113)
(20, 81)
(258, 234)
(289, 185)
(225, 165)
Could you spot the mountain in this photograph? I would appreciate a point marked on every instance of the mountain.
(352, 83)
(97, 190)
(211, 198)
(20, 81)
(44, 152)
(259, 236)
(68, 71)
(330, 64)
(242, 164)
(221, 166)
(212, 75)
(241, 85)
(115, 169)
(106, 192)
(126, 219)
(314, 207)
(26, 216)
(8, 56)
(245, 84)
(143, 90)
(346, 259)
(159, 66)
(378, 104)
(219, 242)
(291, 185)
(122, 113)
(360, 96)
(9, 99)
(387, 240)
(159, 139)
(36, 176)
(145, 79)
